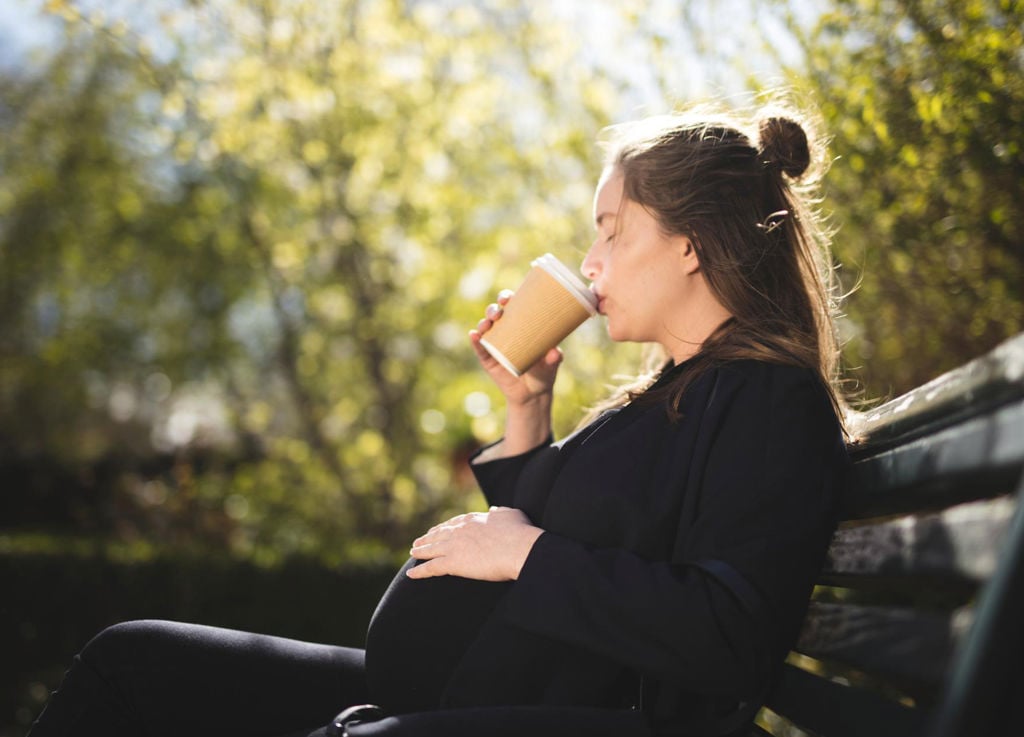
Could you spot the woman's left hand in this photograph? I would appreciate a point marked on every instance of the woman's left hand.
(486, 546)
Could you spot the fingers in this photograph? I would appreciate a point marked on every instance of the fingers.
(482, 354)
(438, 539)
(553, 357)
(428, 569)
(481, 327)
(425, 550)
(431, 548)
(487, 361)
(444, 530)
(494, 311)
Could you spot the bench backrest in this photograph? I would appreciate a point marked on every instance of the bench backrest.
(917, 627)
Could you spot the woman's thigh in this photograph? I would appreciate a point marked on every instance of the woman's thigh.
(167, 678)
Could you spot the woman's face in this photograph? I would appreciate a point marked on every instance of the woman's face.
(639, 274)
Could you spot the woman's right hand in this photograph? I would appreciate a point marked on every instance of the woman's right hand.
(535, 384)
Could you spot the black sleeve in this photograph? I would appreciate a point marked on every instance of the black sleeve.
(718, 615)
(497, 478)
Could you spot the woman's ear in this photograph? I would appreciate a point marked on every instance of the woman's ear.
(687, 254)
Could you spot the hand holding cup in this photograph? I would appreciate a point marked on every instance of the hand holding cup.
(549, 304)
(537, 381)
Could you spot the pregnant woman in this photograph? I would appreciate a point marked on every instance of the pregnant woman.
(645, 575)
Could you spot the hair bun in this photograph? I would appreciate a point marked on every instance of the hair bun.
(784, 145)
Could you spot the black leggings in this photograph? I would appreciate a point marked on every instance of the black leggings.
(166, 679)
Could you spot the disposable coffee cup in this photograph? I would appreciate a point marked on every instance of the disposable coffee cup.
(549, 304)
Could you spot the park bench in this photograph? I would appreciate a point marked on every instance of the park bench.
(917, 626)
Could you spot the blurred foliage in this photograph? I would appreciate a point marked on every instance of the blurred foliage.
(924, 100)
(241, 243)
(237, 267)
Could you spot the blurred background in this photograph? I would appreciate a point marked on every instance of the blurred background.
(241, 242)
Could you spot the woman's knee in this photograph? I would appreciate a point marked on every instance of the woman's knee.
(117, 646)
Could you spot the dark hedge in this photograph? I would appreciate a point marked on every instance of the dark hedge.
(51, 605)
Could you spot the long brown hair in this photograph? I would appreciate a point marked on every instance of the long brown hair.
(745, 198)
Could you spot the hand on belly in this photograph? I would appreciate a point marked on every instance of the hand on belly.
(486, 546)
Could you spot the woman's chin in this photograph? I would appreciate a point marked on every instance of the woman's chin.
(615, 332)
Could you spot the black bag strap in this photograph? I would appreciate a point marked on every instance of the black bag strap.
(734, 581)
(751, 602)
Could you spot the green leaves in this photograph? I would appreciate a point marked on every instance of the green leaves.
(293, 211)
(923, 98)
(294, 218)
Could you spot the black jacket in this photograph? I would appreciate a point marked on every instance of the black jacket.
(674, 569)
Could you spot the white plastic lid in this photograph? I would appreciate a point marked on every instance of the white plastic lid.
(564, 276)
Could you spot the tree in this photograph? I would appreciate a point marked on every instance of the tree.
(253, 253)
(925, 102)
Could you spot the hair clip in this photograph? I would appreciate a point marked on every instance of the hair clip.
(773, 221)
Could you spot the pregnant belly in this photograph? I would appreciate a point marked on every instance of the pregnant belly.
(418, 635)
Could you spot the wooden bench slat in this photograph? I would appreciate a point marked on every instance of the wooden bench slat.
(987, 381)
(906, 646)
(977, 458)
(962, 541)
(822, 706)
